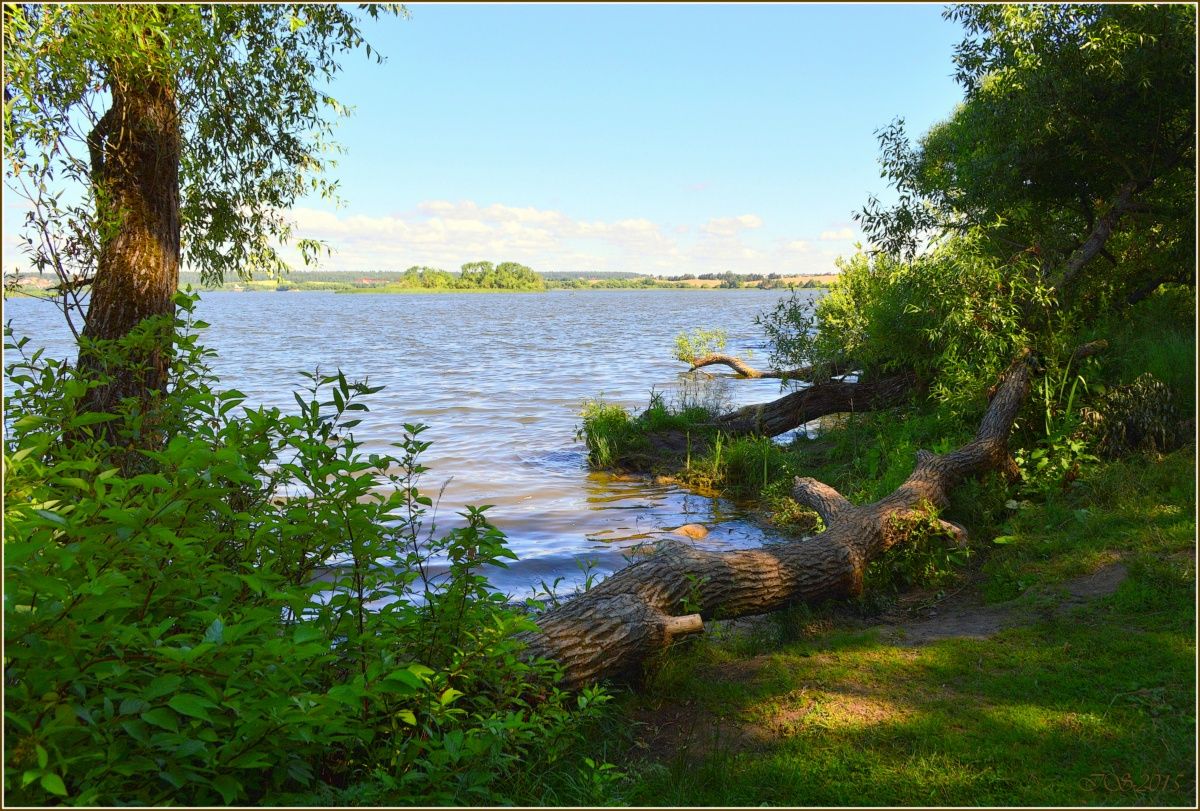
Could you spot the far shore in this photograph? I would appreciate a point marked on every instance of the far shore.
(42, 293)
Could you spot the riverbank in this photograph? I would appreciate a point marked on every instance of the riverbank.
(443, 282)
(1049, 661)
(1058, 669)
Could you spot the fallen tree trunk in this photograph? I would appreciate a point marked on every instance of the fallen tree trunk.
(613, 628)
(837, 396)
(746, 370)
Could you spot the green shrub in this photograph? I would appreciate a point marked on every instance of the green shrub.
(924, 555)
(607, 429)
(954, 316)
(698, 343)
(237, 606)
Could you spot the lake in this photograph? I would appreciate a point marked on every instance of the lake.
(500, 379)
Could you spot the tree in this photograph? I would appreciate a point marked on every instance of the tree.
(1075, 140)
(144, 136)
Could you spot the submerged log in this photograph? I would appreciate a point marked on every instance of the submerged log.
(835, 397)
(613, 628)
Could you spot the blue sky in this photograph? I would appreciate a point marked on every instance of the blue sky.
(653, 138)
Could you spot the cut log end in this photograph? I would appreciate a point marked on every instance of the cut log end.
(688, 624)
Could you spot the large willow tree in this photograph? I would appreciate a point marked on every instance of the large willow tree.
(143, 136)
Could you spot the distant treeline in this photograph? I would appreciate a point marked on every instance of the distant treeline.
(563, 275)
(475, 276)
(472, 276)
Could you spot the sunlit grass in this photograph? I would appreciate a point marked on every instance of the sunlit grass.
(1094, 706)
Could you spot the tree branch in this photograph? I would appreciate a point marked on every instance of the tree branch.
(746, 370)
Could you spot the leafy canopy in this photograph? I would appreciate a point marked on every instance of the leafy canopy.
(248, 81)
(1065, 107)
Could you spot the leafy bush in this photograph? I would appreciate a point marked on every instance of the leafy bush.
(1141, 415)
(698, 343)
(923, 555)
(955, 316)
(240, 606)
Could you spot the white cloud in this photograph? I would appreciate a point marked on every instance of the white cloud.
(729, 226)
(446, 234)
(833, 236)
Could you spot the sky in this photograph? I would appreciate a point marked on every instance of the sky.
(658, 139)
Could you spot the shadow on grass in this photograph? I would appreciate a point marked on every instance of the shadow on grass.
(1091, 706)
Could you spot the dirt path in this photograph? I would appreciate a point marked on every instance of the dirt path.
(967, 617)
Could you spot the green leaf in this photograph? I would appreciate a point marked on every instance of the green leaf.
(53, 784)
(406, 677)
(161, 717)
(52, 517)
(193, 705)
(90, 418)
(1004, 539)
(132, 706)
(215, 632)
(228, 787)
(306, 632)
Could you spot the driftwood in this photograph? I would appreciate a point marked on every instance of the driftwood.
(613, 628)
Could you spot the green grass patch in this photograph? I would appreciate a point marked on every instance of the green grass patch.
(1095, 706)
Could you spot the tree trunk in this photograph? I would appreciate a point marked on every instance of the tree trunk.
(135, 151)
(835, 397)
(612, 629)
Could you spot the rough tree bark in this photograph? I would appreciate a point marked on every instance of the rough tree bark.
(612, 629)
(835, 397)
(793, 410)
(135, 154)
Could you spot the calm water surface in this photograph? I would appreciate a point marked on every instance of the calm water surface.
(499, 379)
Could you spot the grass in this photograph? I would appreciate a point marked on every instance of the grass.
(1096, 706)
(1081, 702)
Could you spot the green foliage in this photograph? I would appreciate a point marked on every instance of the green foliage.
(1139, 416)
(955, 317)
(743, 466)
(506, 276)
(698, 343)
(248, 83)
(615, 437)
(250, 612)
(1066, 106)
(1158, 336)
(924, 555)
(607, 429)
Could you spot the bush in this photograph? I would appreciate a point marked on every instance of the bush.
(698, 343)
(955, 316)
(237, 606)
